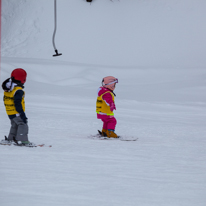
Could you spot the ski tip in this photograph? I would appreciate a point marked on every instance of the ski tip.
(43, 145)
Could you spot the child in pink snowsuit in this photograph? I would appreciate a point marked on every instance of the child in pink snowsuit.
(106, 105)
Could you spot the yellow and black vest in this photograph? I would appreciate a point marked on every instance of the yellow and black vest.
(9, 101)
(102, 107)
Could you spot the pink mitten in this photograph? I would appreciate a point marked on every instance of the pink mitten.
(112, 107)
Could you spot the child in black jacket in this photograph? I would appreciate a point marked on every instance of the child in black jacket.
(15, 108)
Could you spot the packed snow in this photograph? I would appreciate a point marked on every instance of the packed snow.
(157, 51)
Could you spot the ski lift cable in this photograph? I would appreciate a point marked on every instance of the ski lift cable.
(55, 28)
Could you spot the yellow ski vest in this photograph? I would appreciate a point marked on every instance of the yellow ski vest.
(102, 107)
(9, 101)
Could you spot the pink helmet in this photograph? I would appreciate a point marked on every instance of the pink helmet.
(109, 82)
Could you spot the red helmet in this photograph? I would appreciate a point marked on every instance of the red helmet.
(19, 74)
(109, 82)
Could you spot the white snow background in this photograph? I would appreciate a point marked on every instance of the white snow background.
(156, 48)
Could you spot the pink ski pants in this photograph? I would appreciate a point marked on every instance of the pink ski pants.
(109, 122)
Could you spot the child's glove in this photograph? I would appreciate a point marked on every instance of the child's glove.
(23, 117)
(112, 107)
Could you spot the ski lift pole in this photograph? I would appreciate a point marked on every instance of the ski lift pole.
(55, 28)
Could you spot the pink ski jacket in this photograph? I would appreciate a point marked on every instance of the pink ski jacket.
(106, 97)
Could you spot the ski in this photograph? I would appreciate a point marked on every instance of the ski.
(16, 143)
(99, 136)
(30, 144)
(33, 145)
(20, 145)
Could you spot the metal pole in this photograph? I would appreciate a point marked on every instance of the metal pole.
(55, 28)
(0, 38)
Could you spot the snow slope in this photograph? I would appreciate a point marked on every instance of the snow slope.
(156, 50)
